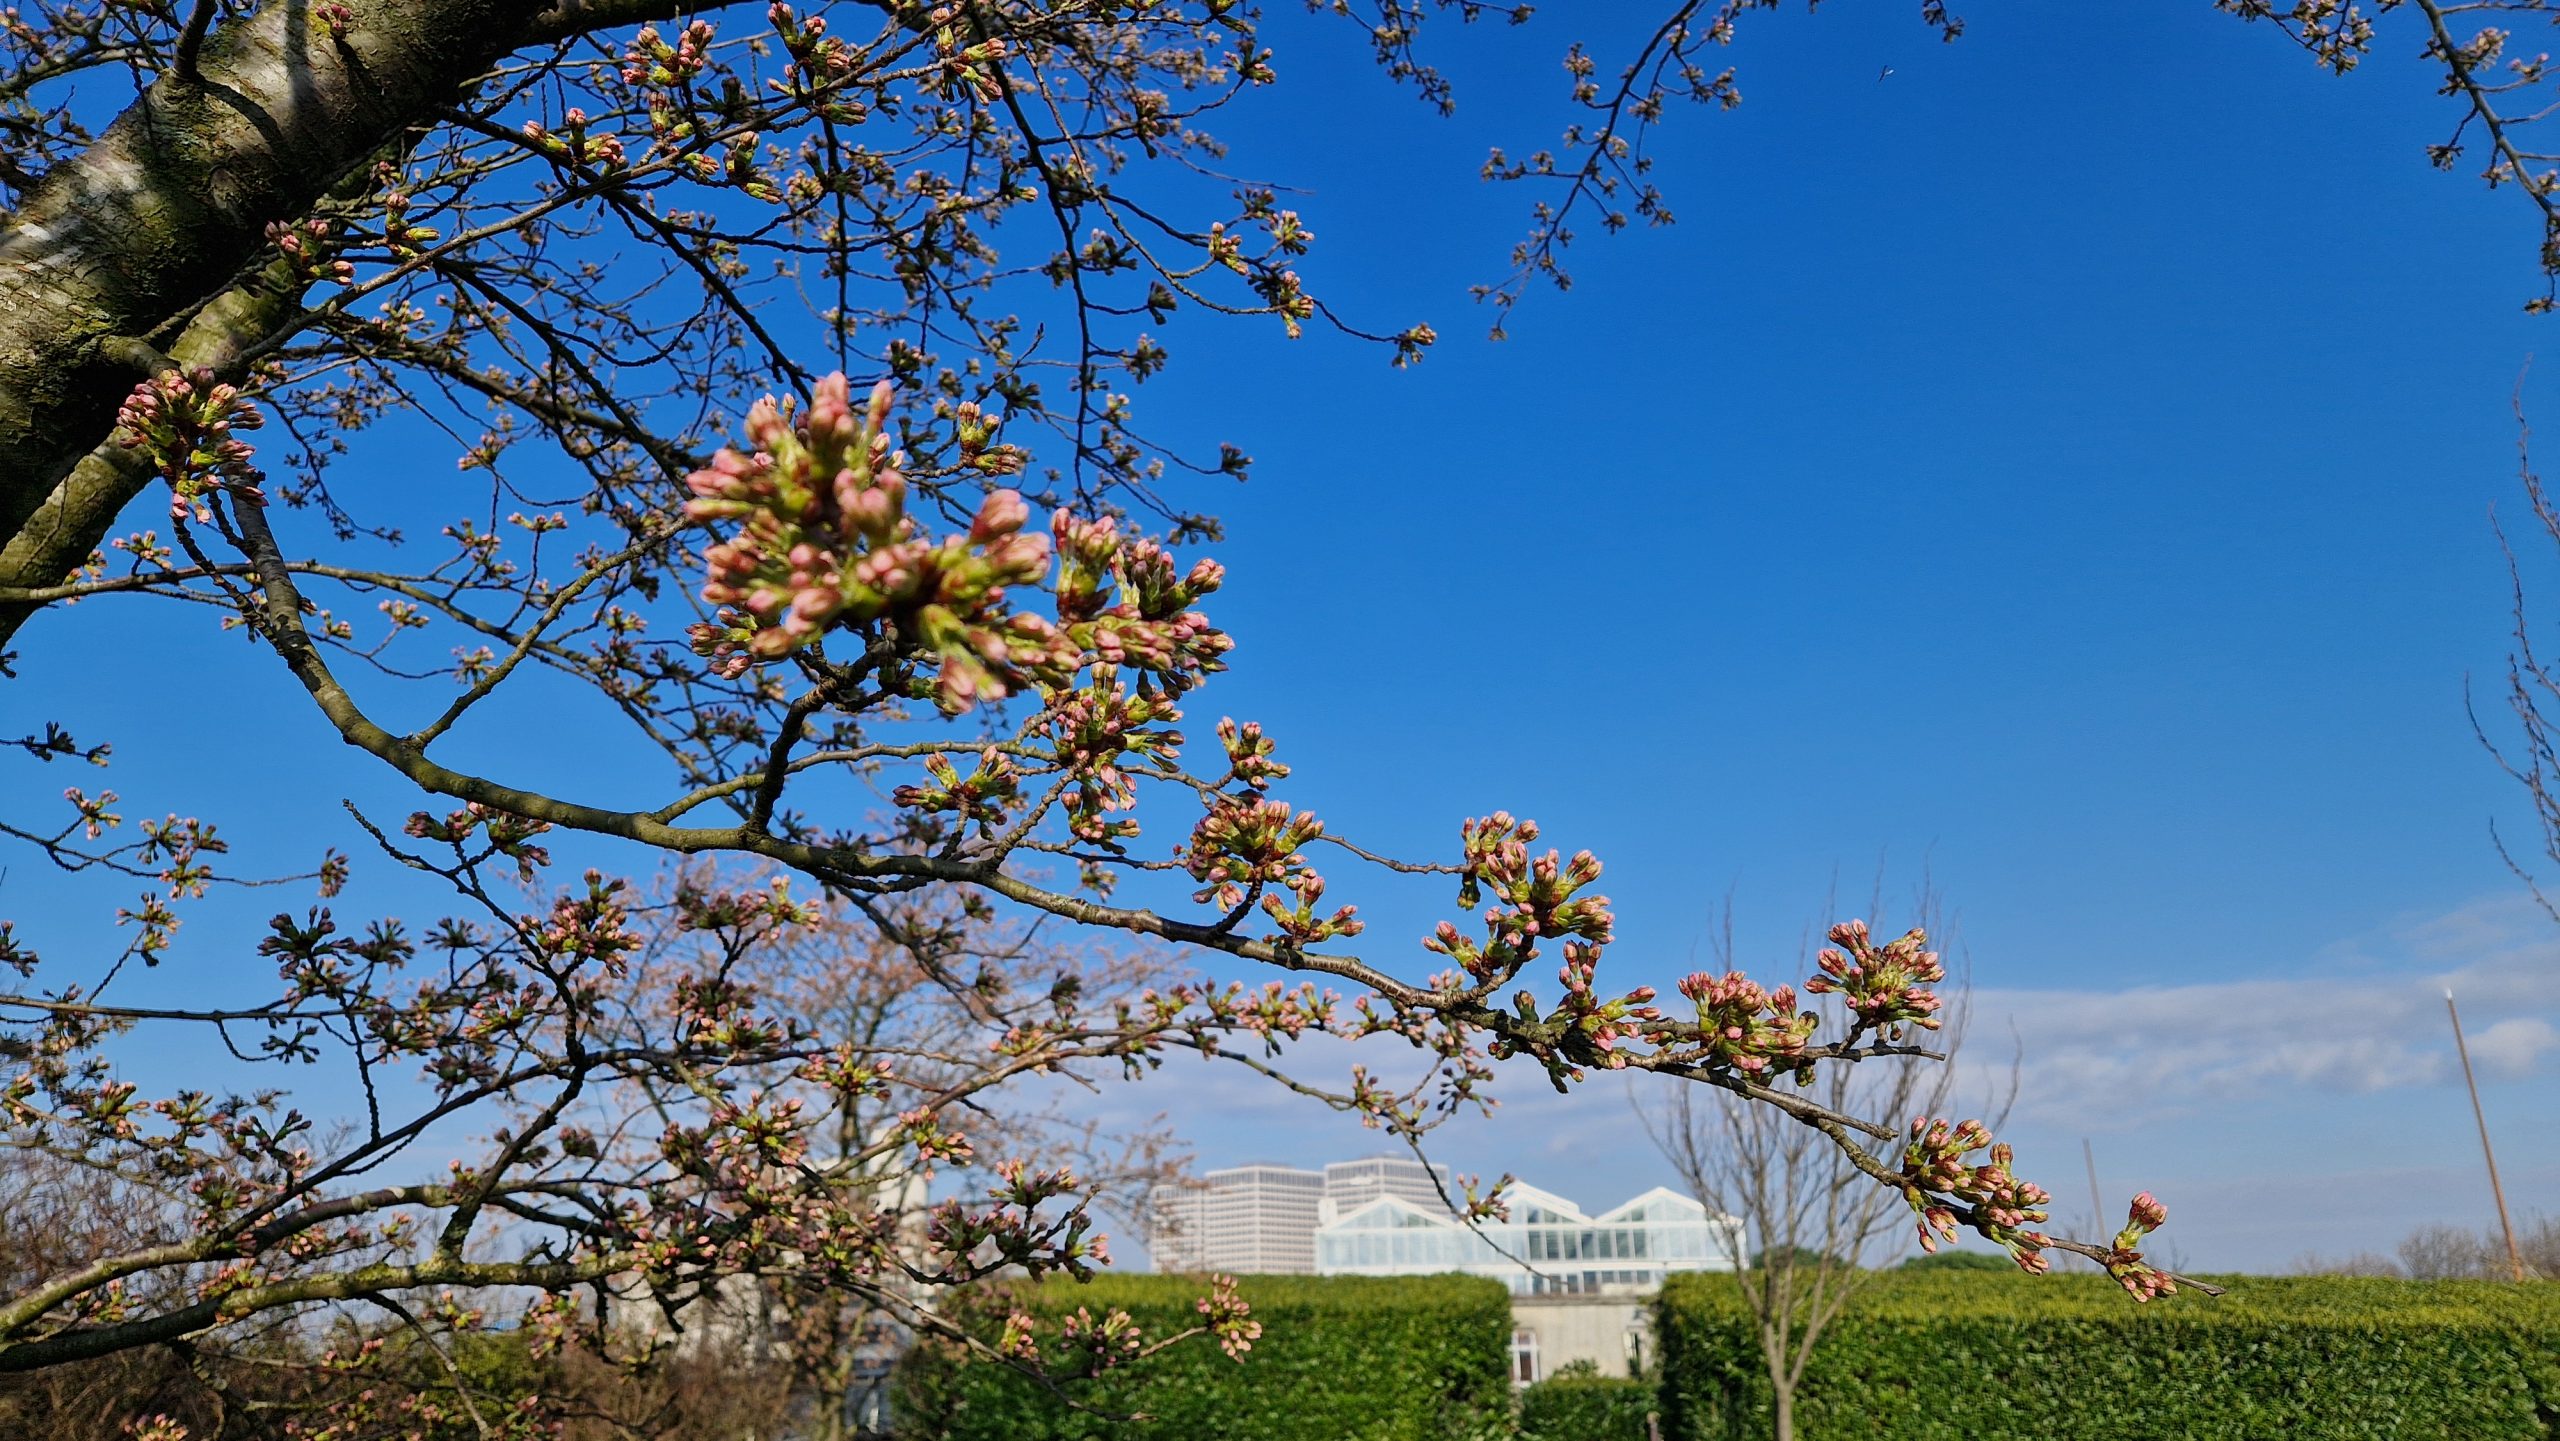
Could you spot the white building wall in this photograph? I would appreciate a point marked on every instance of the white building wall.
(1350, 1185)
(1245, 1220)
(1613, 1333)
(1177, 1226)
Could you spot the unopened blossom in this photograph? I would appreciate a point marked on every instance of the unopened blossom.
(1121, 601)
(2141, 1281)
(823, 538)
(2003, 1205)
(183, 423)
(1244, 843)
(1229, 1318)
(982, 796)
(1248, 750)
(1304, 921)
(1758, 1032)
(1885, 987)
(1094, 727)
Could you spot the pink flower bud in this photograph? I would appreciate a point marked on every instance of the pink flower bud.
(1001, 513)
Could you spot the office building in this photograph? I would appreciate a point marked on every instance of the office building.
(1350, 1185)
(1245, 1220)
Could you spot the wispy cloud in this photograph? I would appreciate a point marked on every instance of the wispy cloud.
(2280, 1113)
(2356, 1017)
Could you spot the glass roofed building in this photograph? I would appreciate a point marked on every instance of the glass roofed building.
(1548, 1247)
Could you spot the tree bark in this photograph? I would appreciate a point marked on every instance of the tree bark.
(69, 523)
(161, 214)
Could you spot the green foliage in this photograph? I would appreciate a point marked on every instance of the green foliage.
(1341, 1358)
(1955, 1356)
(1585, 1408)
(1961, 1261)
(1798, 1257)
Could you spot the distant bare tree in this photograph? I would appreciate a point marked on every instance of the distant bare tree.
(2445, 1253)
(2361, 1263)
(1816, 1225)
(2454, 1253)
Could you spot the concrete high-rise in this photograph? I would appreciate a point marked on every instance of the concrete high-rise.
(1245, 1220)
(1350, 1185)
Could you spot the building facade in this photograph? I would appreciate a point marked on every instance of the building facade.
(1386, 1216)
(1614, 1334)
(1178, 1224)
(1547, 1247)
(1350, 1185)
(1258, 1220)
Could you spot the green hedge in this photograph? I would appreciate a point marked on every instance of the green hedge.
(1342, 1358)
(1956, 1357)
(1586, 1408)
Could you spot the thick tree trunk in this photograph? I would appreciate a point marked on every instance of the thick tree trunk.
(71, 521)
(161, 214)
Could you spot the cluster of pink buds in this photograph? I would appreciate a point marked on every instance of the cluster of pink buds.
(589, 925)
(977, 66)
(922, 1128)
(95, 819)
(717, 1014)
(1934, 1165)
(182, 422)
(1148, 625)
(1304, 921)
(1105, 1343)
(824, 539)
(309, 252)
(507, 834)
(1885, 987)
(1602, 1021)
(759, 1134)
(572, 143)
(1249, 760)
(1275, 1011)
(1496, 844)
(1020, 1340)
(1744, 1028)
(723, 641)
(650, 61)
(975, 430)
(1544, 894)
(1245, 842)
(848, 1073)
(2124, 1262)
(1229, 1318)
(980, 797)
(1094, 726)
(820, 65)
(702, 908)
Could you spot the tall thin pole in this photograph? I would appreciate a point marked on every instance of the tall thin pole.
(2097, 1207)
(2515, 1258)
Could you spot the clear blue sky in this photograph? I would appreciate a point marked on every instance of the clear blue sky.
(2063, 464)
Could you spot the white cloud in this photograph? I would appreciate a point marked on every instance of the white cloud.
(2355, 1018)
(2260, 1106)
(2513, 1049)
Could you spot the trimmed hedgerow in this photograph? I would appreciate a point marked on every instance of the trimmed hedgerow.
(1341, 1358)
(1586, 1408)
(1956, 1357)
